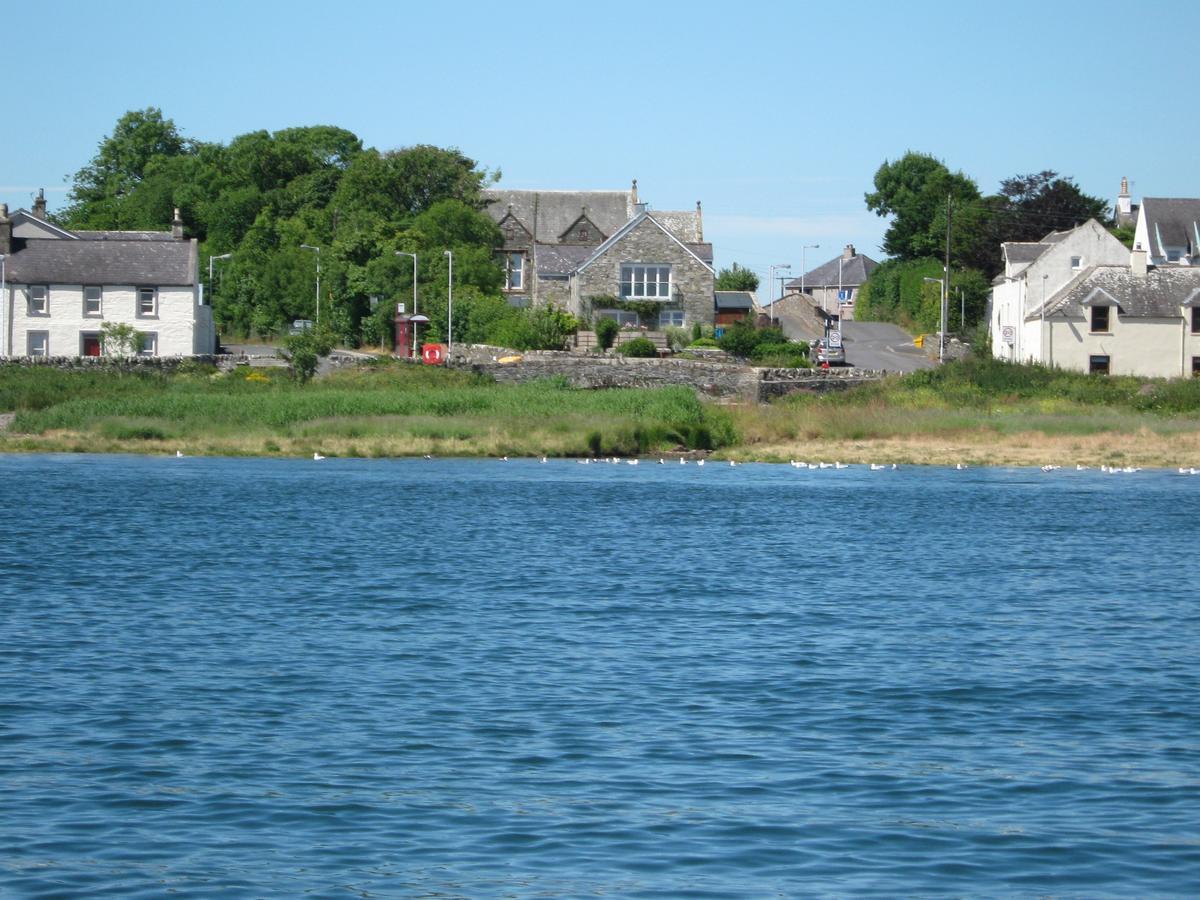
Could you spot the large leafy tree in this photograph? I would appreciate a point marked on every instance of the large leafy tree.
(1026, 208)
(914, 191)
(120, 165)
(736, 278)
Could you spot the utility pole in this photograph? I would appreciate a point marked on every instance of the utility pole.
(945, 282)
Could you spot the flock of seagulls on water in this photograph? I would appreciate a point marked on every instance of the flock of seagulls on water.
(798, 464)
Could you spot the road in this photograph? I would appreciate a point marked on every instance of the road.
(869, 345)
(880, 345)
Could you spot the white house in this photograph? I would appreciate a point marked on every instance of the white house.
(59, 287)
(1169, 231)
(1034, 274)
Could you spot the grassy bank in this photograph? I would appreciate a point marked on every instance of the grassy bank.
(976, 412)
(385, 410)
(984, 412)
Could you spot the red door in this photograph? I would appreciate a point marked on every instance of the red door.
(91, 345)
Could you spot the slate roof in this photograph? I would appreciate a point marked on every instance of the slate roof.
(556, 211)
(855, 271)
(1157, 294)
(560, 259)
(703, 249)
(733, 300)
(685, 225)
(108, 261)
(1172, 223)
(123, 235)
(1024, 251)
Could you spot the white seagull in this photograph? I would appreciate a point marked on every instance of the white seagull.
(318, 456)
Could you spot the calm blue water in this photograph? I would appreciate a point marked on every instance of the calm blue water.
(475, 678)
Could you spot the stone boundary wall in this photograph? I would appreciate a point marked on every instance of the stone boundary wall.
(223, 361)
(713, 379)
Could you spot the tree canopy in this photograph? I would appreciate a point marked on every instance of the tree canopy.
(263, 194)
(736, 278)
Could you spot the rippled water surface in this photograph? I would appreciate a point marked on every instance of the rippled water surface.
(471, 678)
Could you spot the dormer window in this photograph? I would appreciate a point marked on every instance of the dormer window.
(1100, 321)
(1173, 255)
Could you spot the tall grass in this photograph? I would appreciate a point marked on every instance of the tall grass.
(377, 403)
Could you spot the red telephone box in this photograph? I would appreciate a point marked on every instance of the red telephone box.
(403, 336)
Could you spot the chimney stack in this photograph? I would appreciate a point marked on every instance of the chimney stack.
(699, 223)
(39, 205)
(634, 192)
(1137, 261)
(5, 230)
(1124, 211)
(848, 253)
(177, 226)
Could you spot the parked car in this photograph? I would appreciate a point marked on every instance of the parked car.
(835, 356)
(299, 326)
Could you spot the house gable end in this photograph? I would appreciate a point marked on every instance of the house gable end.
(26, 225)
(632, 226)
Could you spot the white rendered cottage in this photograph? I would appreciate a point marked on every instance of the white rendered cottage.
(1034, 273)
(60, 287)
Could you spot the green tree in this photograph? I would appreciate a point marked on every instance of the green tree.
(913, 190)
(736, 278)
(119, 166)
(120, 339)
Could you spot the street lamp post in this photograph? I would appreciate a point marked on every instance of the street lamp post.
(4, 299)
(412, 340)
(449, 301)
(211, 260)
(942, 334)
(318, 252)
(803, 267)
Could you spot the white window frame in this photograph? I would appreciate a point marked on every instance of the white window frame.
(39, 299)
(645, 281)
(1076, 263)
(675, 317)
(514, 275)
(147, 343)
(622, 316)
(153, 303)
(99, 299)
(30, 336)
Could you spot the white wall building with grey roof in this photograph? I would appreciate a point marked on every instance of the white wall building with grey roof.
(1035, 272)
(61, 287)
(1169, 231)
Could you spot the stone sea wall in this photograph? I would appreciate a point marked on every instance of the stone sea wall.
(713, 379)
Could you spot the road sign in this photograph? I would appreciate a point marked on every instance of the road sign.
(1009, 334)
(433, 354)
(835, 339)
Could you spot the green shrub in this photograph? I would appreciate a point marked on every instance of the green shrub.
(606, 332)
(705, 342)
(639, 347)
(792, 355)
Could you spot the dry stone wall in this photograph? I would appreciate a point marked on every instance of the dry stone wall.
(713, 379)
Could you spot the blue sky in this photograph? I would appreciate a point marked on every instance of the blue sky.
(775, 115)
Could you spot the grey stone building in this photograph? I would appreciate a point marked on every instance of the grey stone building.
(605, 254)
(834, 285)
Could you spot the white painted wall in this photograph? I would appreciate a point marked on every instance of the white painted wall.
(180, 323)
(1015, 299)
(1150, 348)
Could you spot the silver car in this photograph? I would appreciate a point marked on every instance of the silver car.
(823, 354)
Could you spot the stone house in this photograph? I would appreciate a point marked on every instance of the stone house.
(1034, 274)
(60, 287)
(605, 254)
(834, 285)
